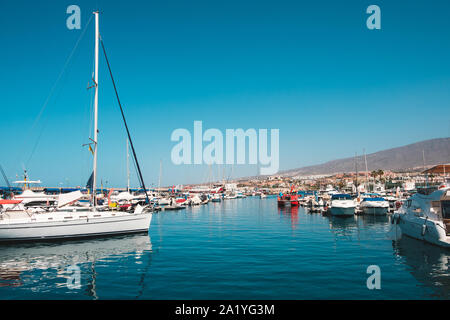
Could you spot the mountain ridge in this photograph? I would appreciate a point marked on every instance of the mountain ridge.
(437, 151)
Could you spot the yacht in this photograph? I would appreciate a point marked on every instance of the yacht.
(426, 217)
(374, 205)
(240, 195)
(32, 198)
(230, 196)
(342, 205)
(216, 198)
(288, 199)
(61, 221)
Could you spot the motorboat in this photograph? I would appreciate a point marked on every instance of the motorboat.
(230, 196)
(374, 205)
(426, 217)
(289, 199)
(240, 195)
(216, 198)
(342, 205)
(392, 202)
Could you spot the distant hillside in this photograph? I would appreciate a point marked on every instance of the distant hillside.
(436, 151)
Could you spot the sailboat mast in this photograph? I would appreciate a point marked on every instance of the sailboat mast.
(367, 172)
(160, 173)
(356, 169)
(128, 167)
(94, 181)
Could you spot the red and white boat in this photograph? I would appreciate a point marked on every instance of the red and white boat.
(289, 199)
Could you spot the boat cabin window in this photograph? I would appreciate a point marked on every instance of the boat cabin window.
(341, 197)
(445, 209)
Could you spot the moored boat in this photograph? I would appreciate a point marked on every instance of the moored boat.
(426, 217)
(216, 198)
(342, 205)
(288, 200)
(374, 205)
(66, 220)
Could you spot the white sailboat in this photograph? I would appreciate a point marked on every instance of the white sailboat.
(61, 222)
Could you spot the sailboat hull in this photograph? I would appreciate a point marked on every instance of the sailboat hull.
(74, 227)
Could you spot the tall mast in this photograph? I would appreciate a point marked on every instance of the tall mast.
(160, 173)
(426, 174)
(367, 172)
(94, 181)
(128, 167)
(356, 169)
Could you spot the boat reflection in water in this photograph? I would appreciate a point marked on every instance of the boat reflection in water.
(427, 263)
(48, 266)
(360, 227)
(290, 212)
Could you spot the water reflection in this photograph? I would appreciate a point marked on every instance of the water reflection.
(290, 213)
(46, 264)
(372, 220)
(427, 263)
(342, 223)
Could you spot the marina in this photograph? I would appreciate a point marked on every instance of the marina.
(238, 249)
(299, 162)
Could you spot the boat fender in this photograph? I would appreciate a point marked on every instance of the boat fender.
(424, 227)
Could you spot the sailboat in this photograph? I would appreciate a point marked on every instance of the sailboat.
(62, 222)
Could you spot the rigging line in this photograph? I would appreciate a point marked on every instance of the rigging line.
(4, 177)
(125, 122)
(69, 58)
(35, 145)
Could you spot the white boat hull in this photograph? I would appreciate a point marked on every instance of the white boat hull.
(342, 207)
(75, 227)
(423, 229)
(377, 208)
(342, 211)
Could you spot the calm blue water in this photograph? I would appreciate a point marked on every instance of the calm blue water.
(237, 249)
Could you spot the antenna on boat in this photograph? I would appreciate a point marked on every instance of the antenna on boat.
(426, 173)
(160, 174)
(367, 171)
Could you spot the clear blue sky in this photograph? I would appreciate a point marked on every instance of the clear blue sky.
(309, 68)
